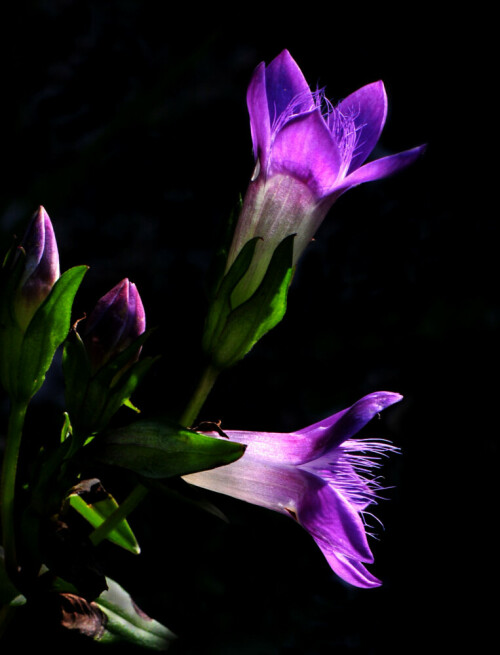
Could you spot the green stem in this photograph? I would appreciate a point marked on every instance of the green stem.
(204, 387)
(8, 484)
(139, 493)
(129, 504)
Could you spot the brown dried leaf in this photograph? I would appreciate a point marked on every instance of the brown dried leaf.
(78, 614)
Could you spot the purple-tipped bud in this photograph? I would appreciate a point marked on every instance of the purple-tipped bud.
(41, 269)
(116, 321)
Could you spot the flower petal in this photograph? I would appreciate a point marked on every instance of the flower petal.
(350, 570)
(303, 446)
(260, 124)
(336, 429)
(375, 170)
(256, 481)
(285, 83)
(368, 109)
(333, 521)
(320, 509)
(282, 447)
(305, 149)
(270, 92)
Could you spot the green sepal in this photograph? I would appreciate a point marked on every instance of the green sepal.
(96, 513)
(47, 330)
(76, 371)
(162, 450)
(109, 373)
(221, 305)
(248, 322)
(93, 400)
(124, 388)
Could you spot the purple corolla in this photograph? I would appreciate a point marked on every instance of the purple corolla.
(116, 321)
(321, 476)
(307, 152)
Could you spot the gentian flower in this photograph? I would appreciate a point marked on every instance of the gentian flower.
(307, 152)
(115, 323)
(41, 267)
(321, 476)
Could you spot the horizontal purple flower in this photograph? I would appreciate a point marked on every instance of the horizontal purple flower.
(116, 321)
(308, 152)
(321, 476)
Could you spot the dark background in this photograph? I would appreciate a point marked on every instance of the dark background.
(129, 125)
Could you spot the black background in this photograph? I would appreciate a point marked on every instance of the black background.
(129, 124)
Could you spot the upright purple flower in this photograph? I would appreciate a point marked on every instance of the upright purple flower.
(41, 267)
(321, 476)
(116, 321)
(308, 152)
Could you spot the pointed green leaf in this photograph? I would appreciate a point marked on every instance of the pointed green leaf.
(128, 403)
(162, 450)
(97, 512)
(46, 331)
(66, 430)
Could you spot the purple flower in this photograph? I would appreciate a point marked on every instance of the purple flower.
(307, 154)
(321, 476)
(41, 267)
(116, 321)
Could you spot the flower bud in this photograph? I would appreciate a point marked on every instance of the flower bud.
(41, 268)
(116, 321)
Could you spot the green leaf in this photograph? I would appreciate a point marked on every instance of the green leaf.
(96, 513)
(162, 450)
(66, 430)
(46, 331)
(126, 623)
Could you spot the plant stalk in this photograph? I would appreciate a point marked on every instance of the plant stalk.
(200, 395)
(8, 484)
